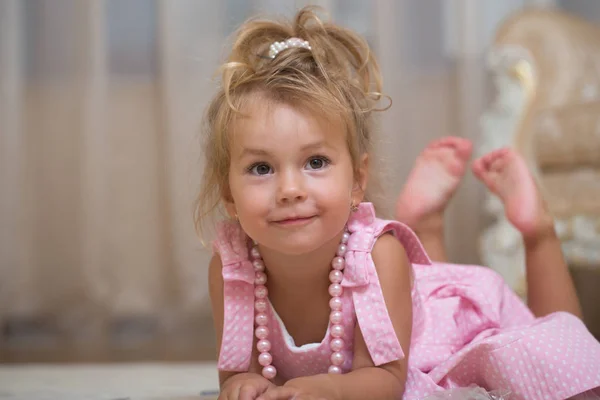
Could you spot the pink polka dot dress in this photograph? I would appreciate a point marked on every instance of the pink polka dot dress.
(468, 326)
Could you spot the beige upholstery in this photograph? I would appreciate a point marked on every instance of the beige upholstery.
(560, 129)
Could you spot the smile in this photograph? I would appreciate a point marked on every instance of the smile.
(294, 221)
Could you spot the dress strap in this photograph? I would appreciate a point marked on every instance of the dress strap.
(360, 276)
(238, 298)
(364, 219)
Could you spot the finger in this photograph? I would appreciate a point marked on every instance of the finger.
(223, 395)
(279, 393)
(248, 392)
(232, 394)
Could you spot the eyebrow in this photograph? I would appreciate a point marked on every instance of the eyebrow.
(263, 152)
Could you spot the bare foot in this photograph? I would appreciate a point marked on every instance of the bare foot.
(432, 182)
(505, 173)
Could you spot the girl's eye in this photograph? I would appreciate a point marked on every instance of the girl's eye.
(260, 169)
(317, 163)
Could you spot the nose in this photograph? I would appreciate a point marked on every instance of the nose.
(291, 187)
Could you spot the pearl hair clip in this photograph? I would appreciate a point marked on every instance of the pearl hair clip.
(293, 42)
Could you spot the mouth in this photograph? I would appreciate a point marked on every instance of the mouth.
(294, 221)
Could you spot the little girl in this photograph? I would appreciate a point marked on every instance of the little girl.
(314, 296)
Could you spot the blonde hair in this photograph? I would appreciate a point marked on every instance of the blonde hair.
(339, 76)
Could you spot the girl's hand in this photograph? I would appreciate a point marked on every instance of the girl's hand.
(246, 386)
(288, 393)
(305, 388)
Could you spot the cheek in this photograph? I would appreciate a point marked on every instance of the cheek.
(249, 197)
(336, 190)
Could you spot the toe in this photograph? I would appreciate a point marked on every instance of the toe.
(463, 147)
(478, 167)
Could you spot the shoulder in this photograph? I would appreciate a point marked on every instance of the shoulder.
(215, 266)
(390, 258)
(215, 276)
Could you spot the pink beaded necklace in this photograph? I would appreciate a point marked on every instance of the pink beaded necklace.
(261, 318)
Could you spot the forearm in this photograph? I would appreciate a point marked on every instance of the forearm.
(550, 287)
(372, 383)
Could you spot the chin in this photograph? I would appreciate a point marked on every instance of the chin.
(294, 244)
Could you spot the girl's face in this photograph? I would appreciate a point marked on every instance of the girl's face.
(291, 178)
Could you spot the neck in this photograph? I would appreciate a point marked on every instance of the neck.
(303, 273)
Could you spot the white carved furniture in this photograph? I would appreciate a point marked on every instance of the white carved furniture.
(546, 70)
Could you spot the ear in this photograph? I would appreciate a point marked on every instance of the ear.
(361, 180)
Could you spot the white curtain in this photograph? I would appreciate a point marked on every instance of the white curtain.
(100, 106)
